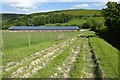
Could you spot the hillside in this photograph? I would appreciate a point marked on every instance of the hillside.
(74, 12)
(64, 17)
(8, 16)
(77, 21)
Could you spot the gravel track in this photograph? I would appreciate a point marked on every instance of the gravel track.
(92, 69)
(64, 69)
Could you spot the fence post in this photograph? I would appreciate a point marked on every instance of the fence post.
(29, 39)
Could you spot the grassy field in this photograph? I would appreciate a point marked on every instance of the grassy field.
(77, 21)
(51, 68)
(58, 55)
(73, 22)
(107, 55)
(74, 12)
(101, 19)
(17, 43)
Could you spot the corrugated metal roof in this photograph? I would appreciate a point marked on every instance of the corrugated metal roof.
(43, 28)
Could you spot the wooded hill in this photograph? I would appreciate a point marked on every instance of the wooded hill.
(74, 12)
(6, 16)
(37, 19)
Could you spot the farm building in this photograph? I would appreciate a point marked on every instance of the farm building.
(43, 28)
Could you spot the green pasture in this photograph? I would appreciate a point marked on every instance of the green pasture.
(16, 47)
(16, 44)
(79, 12)
(107, 56)
(77, 21)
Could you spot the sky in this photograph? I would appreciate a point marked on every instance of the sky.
(34, 6)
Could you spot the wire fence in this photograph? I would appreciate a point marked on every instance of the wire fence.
(23, 39)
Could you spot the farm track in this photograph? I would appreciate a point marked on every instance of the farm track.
(35, 62)
(92, 69)
(64, 69)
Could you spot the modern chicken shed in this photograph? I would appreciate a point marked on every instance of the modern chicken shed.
(43, 28)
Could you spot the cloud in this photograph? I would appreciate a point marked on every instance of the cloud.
(114, 0)
(28, 5)
(43, 11)
(31, 5)
(59, 0)
(24, 3)
(99, 4)
(78, 6)
(98, 0)
(7, 1)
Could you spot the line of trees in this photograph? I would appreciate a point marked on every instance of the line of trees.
(112, 20)
(110, 29)
(37, 20)
(41, 20)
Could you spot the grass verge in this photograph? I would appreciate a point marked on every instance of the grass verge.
(107, 57)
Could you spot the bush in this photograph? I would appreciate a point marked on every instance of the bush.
(95, 25)
(96, 15)
(58, 24)
(84, 26)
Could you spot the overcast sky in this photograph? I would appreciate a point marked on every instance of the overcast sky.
(32, 6)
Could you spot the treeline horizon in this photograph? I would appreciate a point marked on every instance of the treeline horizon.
(110, 29)
(38, 19)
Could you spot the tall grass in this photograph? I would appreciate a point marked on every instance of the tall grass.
(107, 56)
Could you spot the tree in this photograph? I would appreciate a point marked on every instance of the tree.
(94, 25)
(112, 16)
(112, 20)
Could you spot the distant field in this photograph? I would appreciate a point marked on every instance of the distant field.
(58, 55)
(71, 22)
(101, 19)
(82, 12)
(77, 12)
(74, 12)
(77, 21)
